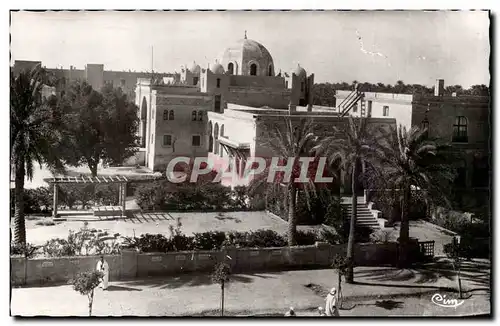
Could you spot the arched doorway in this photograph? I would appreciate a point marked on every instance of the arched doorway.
(230, 68)
(253, 69)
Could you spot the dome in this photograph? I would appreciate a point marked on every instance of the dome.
(217, 69)
(245, 53)
(300, 72)
(195, 69)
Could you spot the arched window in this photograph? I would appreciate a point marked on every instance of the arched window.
(460, 130)
(230, 68)
(200, 115)
(270, 70)
(193, 116)
(253, 69)
(171, 115)
(165, 114)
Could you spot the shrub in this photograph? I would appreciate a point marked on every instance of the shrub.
(211, 240)
(265, 239)
(36, 201)
(81, 243)
(58, 248)
(151, 196)
(153, 243)
(306, 238)
(162, 195)
(28, 251)
(330, 236)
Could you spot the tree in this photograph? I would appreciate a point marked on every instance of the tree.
(101, 126)
(409, 161)
(354, 148)
(34, 136)
(341, 265)
(121, 127)
(288, 140)
(221, 277)
(85, 283)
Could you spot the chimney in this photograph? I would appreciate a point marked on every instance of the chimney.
(439, 88)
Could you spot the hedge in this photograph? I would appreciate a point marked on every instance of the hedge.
(167, 196)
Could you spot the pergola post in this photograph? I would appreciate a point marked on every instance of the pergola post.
(54, 203)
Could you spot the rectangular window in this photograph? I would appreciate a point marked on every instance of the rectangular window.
(165, 114)
(167, 140)
(152, 138)
(369, 108)
(217, 103)
(386, 111)
(218, 82)
(196, 140)
(355, 107)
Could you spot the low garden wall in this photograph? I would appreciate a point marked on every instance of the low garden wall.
(131, 264)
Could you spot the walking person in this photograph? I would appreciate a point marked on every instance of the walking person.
(103, 267)
(331, 303)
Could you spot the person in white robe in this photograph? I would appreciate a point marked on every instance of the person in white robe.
(103, 267)
(331, 303)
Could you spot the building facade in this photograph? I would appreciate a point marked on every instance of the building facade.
(462, 121)
(175, 114)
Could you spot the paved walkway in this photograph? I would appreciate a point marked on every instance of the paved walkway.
(380, 291)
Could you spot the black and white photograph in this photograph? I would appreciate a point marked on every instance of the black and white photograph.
(249, 163)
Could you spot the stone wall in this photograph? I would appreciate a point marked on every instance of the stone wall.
(131, 264)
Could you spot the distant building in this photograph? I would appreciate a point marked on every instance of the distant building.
(96, 76)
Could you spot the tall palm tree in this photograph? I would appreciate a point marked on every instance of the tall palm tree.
(33, 133)
(412, 161)
(355, 147)
(291, 139)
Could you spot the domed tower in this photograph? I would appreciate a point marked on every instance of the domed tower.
(217, 69)
(191, 76)
(301, 86)
(248, 58)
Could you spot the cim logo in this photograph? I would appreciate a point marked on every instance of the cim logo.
(441, 301)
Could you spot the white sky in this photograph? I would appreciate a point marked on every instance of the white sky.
(419, 46)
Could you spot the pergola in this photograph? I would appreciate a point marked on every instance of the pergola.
(85, 180)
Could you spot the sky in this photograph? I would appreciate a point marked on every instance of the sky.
(383, 46)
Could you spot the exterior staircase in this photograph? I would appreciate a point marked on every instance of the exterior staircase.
(350, 101)
(366, 216)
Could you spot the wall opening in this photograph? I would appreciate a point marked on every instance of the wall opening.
(230, 68)
(253, 69)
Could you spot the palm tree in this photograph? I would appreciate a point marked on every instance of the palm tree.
(290, 140)
(355, 148)
(33, 134)
(413, 161)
